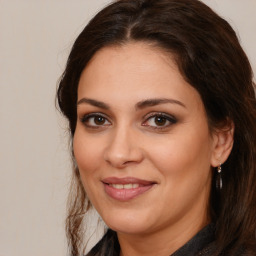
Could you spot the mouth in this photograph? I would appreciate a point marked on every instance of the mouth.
(125, 186)
(124, 189)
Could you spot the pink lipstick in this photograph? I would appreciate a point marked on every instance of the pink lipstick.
(124, 189)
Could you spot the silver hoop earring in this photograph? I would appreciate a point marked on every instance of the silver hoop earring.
(219, 178)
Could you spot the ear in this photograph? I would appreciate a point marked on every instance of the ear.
(223, 139)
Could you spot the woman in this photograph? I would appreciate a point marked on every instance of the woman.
(161, 109)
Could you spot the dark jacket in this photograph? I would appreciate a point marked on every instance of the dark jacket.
(202, 244)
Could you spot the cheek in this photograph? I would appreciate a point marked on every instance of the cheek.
(88, 156)
(87, 153)
(184, 164)
(183, 155)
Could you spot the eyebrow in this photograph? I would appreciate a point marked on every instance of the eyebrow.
(95, 103)
(154, 102)
(140, 105)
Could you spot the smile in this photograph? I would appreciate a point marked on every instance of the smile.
(126, 186)
(124, 189)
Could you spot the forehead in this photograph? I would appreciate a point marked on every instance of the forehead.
(132, 72)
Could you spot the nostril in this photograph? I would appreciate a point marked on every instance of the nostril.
(127, 162)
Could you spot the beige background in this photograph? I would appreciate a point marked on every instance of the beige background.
(35, 39)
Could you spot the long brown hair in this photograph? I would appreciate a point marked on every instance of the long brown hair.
(210, 58)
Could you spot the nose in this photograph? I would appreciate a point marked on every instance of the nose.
(123, 148)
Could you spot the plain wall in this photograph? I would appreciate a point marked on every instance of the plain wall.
(35, 39)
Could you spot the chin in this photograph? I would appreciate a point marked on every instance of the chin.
(127, 223)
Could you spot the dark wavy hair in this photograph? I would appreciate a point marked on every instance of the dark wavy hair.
(210, 58)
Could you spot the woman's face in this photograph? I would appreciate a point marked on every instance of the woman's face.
(142, 142)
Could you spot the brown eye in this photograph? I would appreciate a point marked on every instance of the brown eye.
(95, 121)
(99, 120)
(160, 120)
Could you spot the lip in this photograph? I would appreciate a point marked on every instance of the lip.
(125, 194)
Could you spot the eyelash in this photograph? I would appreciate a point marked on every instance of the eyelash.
(87, 117)
(172, 120)
(166, 117)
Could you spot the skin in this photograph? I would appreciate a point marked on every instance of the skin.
(177, 153)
